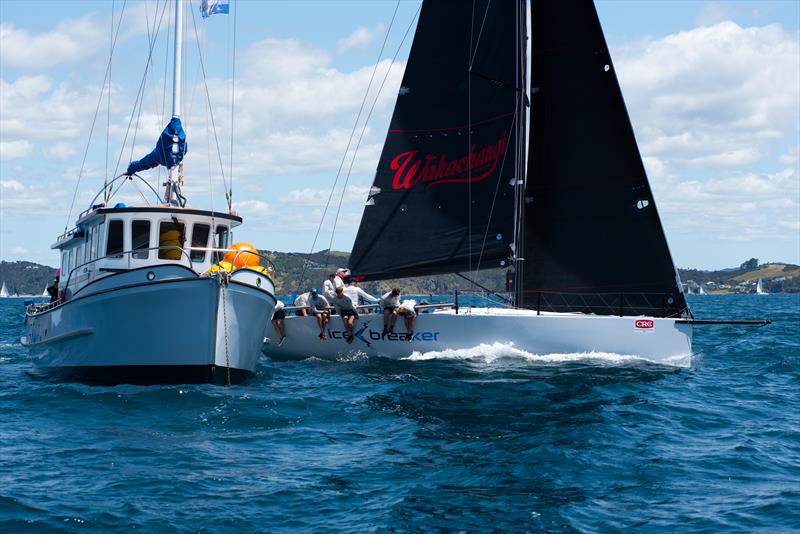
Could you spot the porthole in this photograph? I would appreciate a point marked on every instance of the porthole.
(642, 203)
(607, 67)
(151, 275)
(258, 282)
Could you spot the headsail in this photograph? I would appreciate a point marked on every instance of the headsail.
(442, 198)
(169, 151)
(591, 225)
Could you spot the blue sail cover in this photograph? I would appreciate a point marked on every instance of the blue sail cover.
(163, 154)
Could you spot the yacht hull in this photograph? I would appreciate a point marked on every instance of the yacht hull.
(170, 330)
(662, 341)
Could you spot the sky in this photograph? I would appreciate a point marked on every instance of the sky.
(712, 89)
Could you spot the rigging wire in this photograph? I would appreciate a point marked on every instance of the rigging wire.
(497, 188)
(308, 256)
(469, 133)
(233, 99)
(139, 96)
(363, 129)
(157, 175)
(211, 111)
(152, 41)
(94, 120)
(108, 106)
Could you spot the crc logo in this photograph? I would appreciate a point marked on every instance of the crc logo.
(644, 324)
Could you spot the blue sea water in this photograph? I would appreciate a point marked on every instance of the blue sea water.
(470, 442)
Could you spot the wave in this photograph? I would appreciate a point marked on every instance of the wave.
(491, 352)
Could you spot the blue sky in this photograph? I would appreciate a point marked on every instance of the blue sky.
(713, 90)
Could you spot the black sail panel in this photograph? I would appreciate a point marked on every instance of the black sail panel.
(591, 225)
(442, 198)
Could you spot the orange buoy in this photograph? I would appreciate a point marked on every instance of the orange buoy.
(242, 255)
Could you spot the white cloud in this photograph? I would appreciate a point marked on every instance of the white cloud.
(19, 148)
(713, 13)
(361, 36)
(791, 157)
(20, 250)
(59, 151)
(356, 194)
(11, 185)
(713, 96)
(68, 42)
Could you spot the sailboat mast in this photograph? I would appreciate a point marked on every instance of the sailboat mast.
(176, 73)
(518, 256)
(171, 185)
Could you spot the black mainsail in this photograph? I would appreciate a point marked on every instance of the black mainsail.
(447, 198)
(442, 199)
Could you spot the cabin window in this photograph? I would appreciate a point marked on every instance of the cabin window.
(221, 241)
(92, 230)
(199, 239)
(170, 234)
(69, 261)
(114, 244)
(140, 239)
(64, 264)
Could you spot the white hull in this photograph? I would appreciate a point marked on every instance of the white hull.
(173, 328)
(663, 341)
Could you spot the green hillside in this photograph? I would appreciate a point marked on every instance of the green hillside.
(24, 277)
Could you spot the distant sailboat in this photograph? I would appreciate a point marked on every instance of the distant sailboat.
(4, 292)
(702, 291)
(45, 293)
(760, 288)
(689, 290)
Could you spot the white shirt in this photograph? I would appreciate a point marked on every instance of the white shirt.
(354, 292)
(329, 290)
(390, 301)
(301, 300)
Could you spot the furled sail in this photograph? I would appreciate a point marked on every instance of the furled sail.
(442, 198)
(591, 225)
(169, 151)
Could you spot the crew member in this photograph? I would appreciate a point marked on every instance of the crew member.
(302, 302)
(358, 295)
(318, 306)
(277, 321)
(346, 310)
(52, 289)
(409, 313)
(329, 287)
(389, 303)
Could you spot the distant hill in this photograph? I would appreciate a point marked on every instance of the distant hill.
(25, 277)
(777, 278)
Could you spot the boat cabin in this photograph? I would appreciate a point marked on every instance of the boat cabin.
(110, 240)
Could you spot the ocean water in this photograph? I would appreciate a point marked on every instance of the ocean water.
(493, 439)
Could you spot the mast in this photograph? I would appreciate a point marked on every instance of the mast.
(170, 185)
(176, 73)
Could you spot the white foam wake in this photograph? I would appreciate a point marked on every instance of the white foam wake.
(490, 352)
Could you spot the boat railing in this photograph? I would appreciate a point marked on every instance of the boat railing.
(619, 303)
(75, 278)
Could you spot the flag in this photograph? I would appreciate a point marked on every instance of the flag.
(210, 7)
